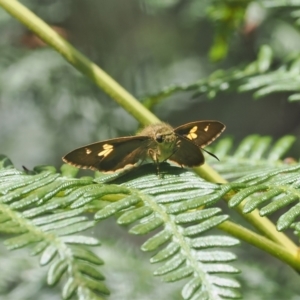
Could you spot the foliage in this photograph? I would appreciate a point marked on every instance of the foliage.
(28, 198)
(180, 217)
(262, 76)
(44, 210)
(254, 77)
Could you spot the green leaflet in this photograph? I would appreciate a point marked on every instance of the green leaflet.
(228, 293)
(178, 274)
(215, 256)
(21, 181)
(113, 208)
(21, 241)
(80, 239)
(254, 154)
(254, 202)
(74, 228)
(191, 288)
(97, 192)
(220, 268)
(171, 264)
(197, 215)
(33, 206)
(260, 147)
(281, 147)
(221, 281)
(95, 285)
(278, 204)
(213, 241)
(205, 225)
(165, 253)
(86, 269)
(6, 165)
(48, 255)
(49, 219)
(63, 223)
(288, 218)
(86, 255)
(69, 288)
(167, 204)
(157, 240)
(246, 146)
(147, 226)
(280, 185)
(56, 270)
(133, 215)
(38, 248)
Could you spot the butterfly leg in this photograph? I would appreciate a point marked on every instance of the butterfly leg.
(154, 156)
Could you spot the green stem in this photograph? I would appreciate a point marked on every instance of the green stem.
(121, 96)
(268, 229)
(285, 254)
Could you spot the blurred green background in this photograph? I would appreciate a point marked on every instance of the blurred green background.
(47, 108)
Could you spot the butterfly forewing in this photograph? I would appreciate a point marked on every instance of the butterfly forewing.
(202, 133)
(110, 155)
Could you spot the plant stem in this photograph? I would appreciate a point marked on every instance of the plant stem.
(285, 254)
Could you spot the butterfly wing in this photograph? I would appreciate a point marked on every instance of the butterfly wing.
(202, 133)
(187, 154)
(110, 155)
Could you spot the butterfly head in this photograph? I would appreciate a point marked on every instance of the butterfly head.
(160, 133)
(163, 141)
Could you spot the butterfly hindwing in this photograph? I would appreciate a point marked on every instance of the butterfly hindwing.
(187, 154)
(110, 155)
(202, 133)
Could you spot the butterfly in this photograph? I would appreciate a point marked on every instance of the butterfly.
(157, 143)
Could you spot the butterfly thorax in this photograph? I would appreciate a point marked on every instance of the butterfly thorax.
(163, 143)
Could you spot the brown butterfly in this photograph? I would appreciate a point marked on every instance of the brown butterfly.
(157, 143)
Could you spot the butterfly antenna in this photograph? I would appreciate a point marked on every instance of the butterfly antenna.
(211, 154)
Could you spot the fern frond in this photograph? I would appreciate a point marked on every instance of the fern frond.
(164, 205)
(46, 210)
(279, 185)
(254, 153)
(264, 181)
(31, 208)
(257, 77)
(284, 79)
(218, 82)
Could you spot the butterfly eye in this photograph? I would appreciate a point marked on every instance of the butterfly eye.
(159, 138)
